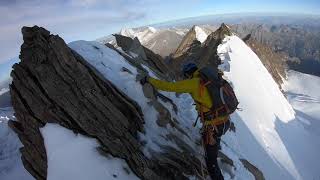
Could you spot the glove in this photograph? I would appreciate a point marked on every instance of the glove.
(144, 80)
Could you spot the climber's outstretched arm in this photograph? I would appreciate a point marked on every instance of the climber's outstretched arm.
(184, 86)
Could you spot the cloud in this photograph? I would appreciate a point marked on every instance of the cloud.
(81, 19)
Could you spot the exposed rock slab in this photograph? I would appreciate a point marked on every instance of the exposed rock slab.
(258, 175)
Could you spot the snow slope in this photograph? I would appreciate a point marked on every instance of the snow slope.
(303, 91)
(267, 132)
(74, 156)
(143, 34)
(11, 167)
(200, 34)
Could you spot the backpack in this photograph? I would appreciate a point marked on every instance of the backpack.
(224, 100)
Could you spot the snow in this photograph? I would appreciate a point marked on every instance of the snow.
(267, 131)
(127, 32)
(200, 34)
(74, 156)
(3, 90)
(181, 33)
(152, 29)
(11, 167)
(110, 63)
(143, 34)
(303, 91)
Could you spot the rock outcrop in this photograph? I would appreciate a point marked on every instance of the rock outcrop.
(258, 175)
(143, 55)
(54, 84)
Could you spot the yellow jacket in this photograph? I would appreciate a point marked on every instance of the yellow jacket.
(191, 86)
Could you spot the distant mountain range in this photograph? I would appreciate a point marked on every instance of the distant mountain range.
(295, 37)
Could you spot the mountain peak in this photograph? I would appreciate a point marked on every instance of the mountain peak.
(196, 33)
(220, 33)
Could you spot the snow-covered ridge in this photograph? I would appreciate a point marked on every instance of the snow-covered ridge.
(268, 130)
(263, 105)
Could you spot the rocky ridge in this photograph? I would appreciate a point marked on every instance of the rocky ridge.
(54, 84)
(142, 55)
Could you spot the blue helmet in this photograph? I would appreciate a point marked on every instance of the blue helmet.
(189, 68)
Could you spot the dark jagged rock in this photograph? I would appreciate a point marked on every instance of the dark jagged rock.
(258, 175)
(54, 84)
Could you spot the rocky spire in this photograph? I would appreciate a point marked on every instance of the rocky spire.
(203, 54)
(186, 42)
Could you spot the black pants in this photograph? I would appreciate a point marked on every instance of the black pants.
(212, 152)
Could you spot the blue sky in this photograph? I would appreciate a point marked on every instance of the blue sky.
(91, 19)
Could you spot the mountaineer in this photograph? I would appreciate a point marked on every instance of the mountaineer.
(214, 99)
